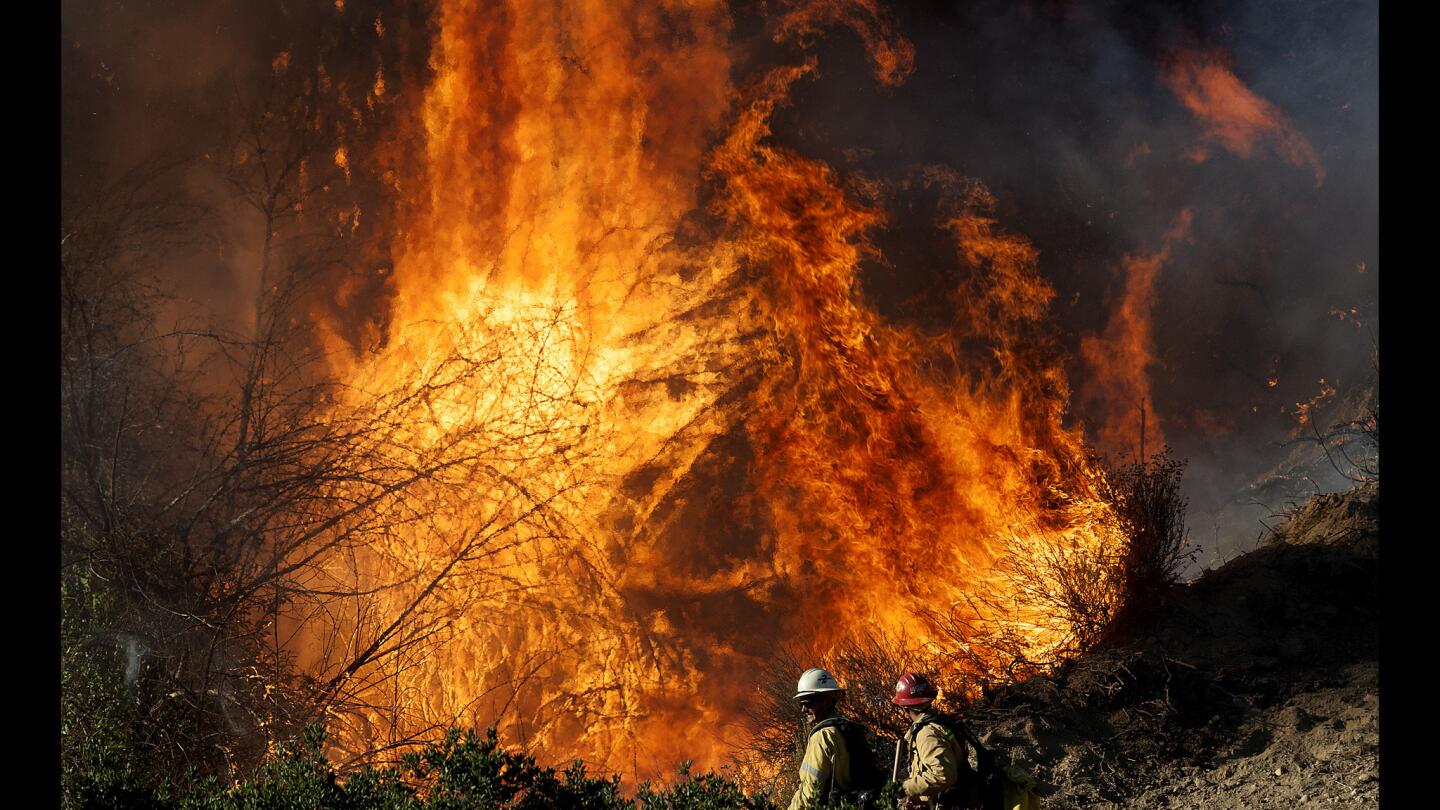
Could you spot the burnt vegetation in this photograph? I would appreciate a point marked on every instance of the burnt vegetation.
(1151, 510)
(1098, 594)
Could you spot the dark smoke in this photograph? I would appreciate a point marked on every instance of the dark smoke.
(163, 83)
(1061, 110)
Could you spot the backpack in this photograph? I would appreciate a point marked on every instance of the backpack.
(965, 794)
(866, 778)
(993, 785)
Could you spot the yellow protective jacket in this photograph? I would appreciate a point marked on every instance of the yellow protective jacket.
(826, 759)
(937, 759)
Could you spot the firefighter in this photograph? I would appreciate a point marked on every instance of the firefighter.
(939, 775)
(826, 765)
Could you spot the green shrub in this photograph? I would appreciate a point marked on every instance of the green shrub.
(465, 770)
(461, 770)
(101, 764)
(706, 791)
(300, 777)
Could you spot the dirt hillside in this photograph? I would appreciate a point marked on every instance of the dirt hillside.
(1256, 686)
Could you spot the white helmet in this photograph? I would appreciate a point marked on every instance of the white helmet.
(816, 681)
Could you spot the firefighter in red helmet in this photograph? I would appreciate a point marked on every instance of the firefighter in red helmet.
(939, 774)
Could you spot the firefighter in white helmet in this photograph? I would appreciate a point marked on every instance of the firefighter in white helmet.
(826, 766)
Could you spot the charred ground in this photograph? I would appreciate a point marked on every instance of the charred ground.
(1256, 685)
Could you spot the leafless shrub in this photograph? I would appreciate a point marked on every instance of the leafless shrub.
(254, 523)
(1145, 496)
(1352, 447)
(1058, 594)
(279, 517)
(1061, 588)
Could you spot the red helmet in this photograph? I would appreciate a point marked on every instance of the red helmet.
(914, 689)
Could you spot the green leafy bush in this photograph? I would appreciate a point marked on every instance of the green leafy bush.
(461, 770)
(707, 791)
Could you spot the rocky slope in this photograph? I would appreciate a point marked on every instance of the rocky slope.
(1256, 686)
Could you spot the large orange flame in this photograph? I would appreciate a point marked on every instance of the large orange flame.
(662, 444)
